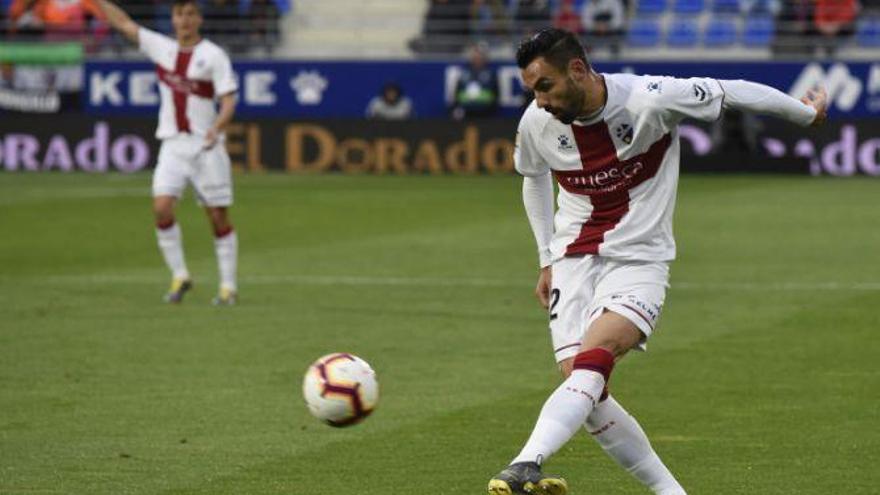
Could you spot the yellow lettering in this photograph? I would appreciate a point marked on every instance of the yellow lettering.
(297, 135)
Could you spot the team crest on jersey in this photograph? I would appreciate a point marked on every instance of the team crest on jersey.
(702, 91)
(565, 143)
(624, 132)
(655, 87)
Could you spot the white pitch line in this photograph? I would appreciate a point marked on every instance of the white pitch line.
(402, 281)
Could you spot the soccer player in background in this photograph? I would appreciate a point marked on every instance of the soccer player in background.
(193, 73)
(611, 142)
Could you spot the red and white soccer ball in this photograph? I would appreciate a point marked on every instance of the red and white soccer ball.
(340, 389)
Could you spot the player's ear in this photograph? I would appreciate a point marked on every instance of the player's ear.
(577, 70)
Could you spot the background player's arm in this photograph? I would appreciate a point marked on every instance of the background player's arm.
(119, 20)
(224, 117)
(758, 98)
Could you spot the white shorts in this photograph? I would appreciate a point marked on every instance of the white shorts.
(182, 159)
(586, 286)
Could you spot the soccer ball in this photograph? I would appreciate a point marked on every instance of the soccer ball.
(340, 389)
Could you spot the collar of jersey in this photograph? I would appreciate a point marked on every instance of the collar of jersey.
(590, 119)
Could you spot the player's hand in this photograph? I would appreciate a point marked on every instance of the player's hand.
(211, 138)
(542, 290)
(818, 99)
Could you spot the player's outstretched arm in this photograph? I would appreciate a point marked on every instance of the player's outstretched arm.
(119, 20)
(758, 98)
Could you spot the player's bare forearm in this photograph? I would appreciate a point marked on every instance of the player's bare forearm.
(119, 20)
(227, 111)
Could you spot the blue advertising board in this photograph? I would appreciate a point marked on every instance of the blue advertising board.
(325, 89)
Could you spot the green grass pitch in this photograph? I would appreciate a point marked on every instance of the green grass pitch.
(762, 379)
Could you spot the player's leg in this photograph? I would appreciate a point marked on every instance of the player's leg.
(226, 248)
(570, 297)
(636, 292)
(169, 180)
(213, 184)
(623, 439)
(609, 337)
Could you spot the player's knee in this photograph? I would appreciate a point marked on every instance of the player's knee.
(565, 367)
(164, 216)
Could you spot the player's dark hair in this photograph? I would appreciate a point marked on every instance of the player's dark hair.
(181, 3)
(557, 46)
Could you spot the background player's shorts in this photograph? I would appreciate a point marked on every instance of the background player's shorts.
(182, 160)
(584, 287)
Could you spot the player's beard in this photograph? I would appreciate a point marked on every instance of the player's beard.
(574, 98)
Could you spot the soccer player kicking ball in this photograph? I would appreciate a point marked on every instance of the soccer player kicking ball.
(611, 141)
(193, 72)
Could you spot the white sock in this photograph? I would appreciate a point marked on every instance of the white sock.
(171, 244)
(226, 248)
(624, 440)
(563, 414)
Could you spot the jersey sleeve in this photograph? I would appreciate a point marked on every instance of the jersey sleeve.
(153, 44)
(525, 154)
(697, 97)
(223, 76)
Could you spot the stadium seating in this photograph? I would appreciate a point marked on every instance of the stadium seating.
(720, 32)
(758, 31)
(643, 33)
(683, 33)
(725, 6)
(688, 6)
(651, 7)
(868, 32)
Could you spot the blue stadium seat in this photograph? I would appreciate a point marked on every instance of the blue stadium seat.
(725, 6)
(868, 32)
(721, 31)
(651, 7)
(682, 33)
(688, 6)
(643, 32)
(758, 31)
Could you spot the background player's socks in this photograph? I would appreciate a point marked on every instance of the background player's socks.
(226, 247)
(171, 244)
(623, 439)
(568, 406)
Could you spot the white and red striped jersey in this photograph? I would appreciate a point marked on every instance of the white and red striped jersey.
(189, 81)
(617, 173)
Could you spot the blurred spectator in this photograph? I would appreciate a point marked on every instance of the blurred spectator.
(529, 16)
(446, 27)
(488, 19)
(223, 24)
(793, 26)
(7, 75)
(603, 17)
(603, 23)
(390, 105)
(476, 91)
(835, 19)
(760, 7)
(58, 20)
(264, 18)
(567, 18)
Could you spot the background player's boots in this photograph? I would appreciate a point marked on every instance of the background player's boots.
(179, 287)
(526, 477)
(225, 297)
